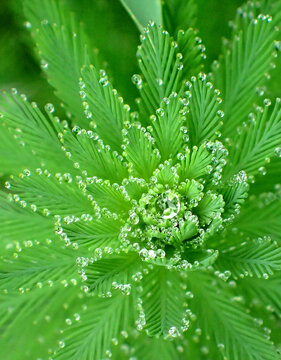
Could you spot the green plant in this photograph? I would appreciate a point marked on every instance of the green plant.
(151, 233)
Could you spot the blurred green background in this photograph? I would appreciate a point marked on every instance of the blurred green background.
(111, 30)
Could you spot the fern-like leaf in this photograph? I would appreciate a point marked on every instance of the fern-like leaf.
(259, 258)
(163, 302)
(233, 329)
(112, 272)
(102, 103)
(59, 30)
(91, 338)
(243, 66)
(204, 117)
(257, 141)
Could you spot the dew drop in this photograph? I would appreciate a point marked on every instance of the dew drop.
(173, 332)
(44, 64)
(220, 113)
(61, 344)
(137, 80)
(27, 25)
(262, 170)
(160, 112)
(267, 102)
(134, 219)
(68, 321)
(277, 152)
(49, 108)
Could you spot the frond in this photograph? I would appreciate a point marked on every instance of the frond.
(228, 323)
(210, 208)
(57, 194)
(34, 316)
(243, 66)
(36, 280)
(61, 45)
(259, 217)
(256, 141)
(258, 258)
(234, 194)
(161, 68)
(91, 338)
(180, 19)
(103, 104)
(264, 291)
(139, 151)
(195, 163)
(163, 303)
(92, 233)
(135, 187)
(20, 225)
(167, 127)
(36, 265)
(192, 50)
(113, 272)
(112, 197)
(164, 64)
(91, 156)
(18, 159)
(34, 131)
(269, 179)
(166, 174)
(204, 117)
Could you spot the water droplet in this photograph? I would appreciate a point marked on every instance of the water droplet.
(44, 64)
(160, 112)
(262, 170)
(277, 45)
(49, 108)
(220, 113)
(137, 80)
(68, 321)
(61, 344)
(134, 219)
(160, 81)
(168, 204)
(277, 152)
(173, 332)
(27, 25)
(267, 102)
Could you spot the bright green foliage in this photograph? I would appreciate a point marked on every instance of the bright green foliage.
(245, 62)
(149, 234)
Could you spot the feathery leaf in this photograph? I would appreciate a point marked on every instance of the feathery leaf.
(243, 66)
